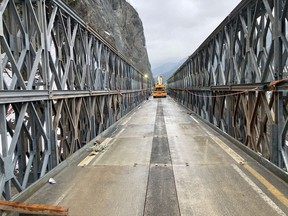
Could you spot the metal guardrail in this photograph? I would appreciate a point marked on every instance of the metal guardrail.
(237, 79)
(61, 84)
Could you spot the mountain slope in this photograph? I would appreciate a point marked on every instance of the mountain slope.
(119, 23)
(166, 70)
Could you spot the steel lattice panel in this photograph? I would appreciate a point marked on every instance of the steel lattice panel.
(61, 85)
(237, 79)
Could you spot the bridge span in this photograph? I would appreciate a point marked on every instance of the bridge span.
(64, 88)
(162, 160)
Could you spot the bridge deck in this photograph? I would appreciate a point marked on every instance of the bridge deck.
(162, 161)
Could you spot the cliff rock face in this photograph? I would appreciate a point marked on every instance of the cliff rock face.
(119, 23)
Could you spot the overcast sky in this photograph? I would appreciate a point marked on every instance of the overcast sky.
(174, 29)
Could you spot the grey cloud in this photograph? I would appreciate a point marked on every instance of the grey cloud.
(175, 29)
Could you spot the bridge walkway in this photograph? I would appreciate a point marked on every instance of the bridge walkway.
(161, 160)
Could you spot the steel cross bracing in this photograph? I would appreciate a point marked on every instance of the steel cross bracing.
(61, 85)
(238, 81)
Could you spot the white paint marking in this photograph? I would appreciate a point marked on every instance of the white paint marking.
(228, 150)
(206, 131)
(124, 123)
(194, 119)
(64, 195)
(119, 132)
(258, 191)
(241, 161)
(133, 114)
(106, 141)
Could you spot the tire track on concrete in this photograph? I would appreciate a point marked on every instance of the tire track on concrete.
(161, 195)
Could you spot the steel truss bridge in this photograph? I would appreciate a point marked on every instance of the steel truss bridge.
(237, 79)
(61, 85)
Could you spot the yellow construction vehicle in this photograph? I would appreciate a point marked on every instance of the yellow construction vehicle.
(159, 88)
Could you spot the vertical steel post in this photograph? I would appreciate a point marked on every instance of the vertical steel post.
(278, 75)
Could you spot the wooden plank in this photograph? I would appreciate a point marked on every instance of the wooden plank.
(31, 208)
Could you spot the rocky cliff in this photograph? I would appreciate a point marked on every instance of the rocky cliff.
(119, 23)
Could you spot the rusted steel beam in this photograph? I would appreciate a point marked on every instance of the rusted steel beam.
(33, 209)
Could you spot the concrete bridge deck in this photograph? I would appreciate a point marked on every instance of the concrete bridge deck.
(162, 161)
